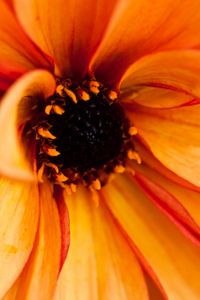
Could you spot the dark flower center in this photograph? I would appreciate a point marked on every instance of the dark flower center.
(89, 133)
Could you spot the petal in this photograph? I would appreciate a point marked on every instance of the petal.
(19, 211)
(173, 137)
(69, 31)
(99, 257)
(142, 28)
(170, 205)
(39, 276)
(13, 112)
(163, 250)
(162, 80)
(17, 52)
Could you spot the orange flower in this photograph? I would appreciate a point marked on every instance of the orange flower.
(138, 236)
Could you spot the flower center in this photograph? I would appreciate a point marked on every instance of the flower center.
(82, 135)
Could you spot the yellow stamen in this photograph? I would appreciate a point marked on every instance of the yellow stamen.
(96, 184)
(134, 155)
(40, 173)
(112, 95)
(94, 86)
(50, 165)
(51, 151)
(46, 133)
(60, 177)
(58, 109)
(48, 109)
(59, 90)
(119, 169)
(73, 187)
(83, 95)
(70, 94)
(132, 130)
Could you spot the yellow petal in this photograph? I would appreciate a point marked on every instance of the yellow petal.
(69, 31)
(19, 211)
(173, 137)
(98, 258)
(39, 276)
(163, 250)
(14, 112)
(141, 27)
(17, 52)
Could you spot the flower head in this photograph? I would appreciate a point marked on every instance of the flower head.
(100, 149)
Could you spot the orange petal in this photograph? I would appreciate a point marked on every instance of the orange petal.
(166, 79)
(39, 276)
(13, 112)
(70, 31)
(98, 258)
(141, 28)
(167, 255)
(173, 137)
(17, 52)
(19, 211)
(169, 204)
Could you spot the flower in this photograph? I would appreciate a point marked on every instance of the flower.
(138, 237)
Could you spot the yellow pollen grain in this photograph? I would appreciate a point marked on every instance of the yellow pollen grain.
(94, 90)
(94, 86)
(45, 133)
(59, 90)
(119, 169)
(132, 130)
(58, 109)
(96, 184)
(134, 156)
(71, 95)
(83, 95)
(40, 173)
(112, 95)
(61, 177)
(48, 109)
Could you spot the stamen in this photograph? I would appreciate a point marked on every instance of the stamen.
(83, 95)
(96, 184)
(48, 109)
(94, 86)
(132, 130)
(119, 169)
(40, 173)
(58, 109)
(134, 156)
(60, 90)
(53, 166)
(112, 95)
(71, 95)
(51, 151)
(45, 133)
(60, 177)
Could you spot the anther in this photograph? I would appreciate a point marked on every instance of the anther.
(59, 90)
(71, 95)
(134, 156)
(132, 130)
(83, 95)
(58, 109)
(60, 177)
(119, 169)
(51, 151)
(94, 86)
(112, 95)
(48, 109)
(45, 133)
(96, 184)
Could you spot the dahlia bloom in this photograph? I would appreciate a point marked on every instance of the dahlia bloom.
(137, 237)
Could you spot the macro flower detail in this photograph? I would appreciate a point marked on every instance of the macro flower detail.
(100, 149)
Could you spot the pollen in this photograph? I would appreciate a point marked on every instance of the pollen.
(83, 136)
